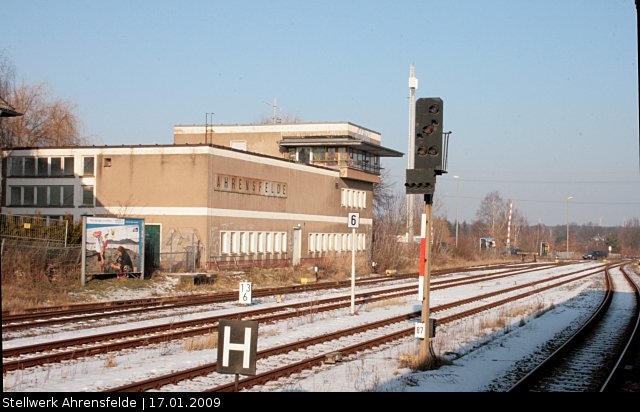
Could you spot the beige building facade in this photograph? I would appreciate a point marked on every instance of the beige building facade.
(230, 203)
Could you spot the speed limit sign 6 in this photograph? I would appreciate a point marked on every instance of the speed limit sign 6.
(353, 220)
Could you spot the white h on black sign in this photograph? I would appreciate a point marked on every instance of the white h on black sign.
(237, 346)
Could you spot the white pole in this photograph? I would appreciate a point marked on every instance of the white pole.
(83, 252)
(413, 85)
(353, 272)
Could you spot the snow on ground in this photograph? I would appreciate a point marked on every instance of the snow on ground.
(480, 354)
(484, 351)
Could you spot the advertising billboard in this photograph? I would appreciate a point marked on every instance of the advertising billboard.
(112, 247)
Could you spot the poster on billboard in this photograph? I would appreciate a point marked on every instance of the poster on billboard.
(112, 247)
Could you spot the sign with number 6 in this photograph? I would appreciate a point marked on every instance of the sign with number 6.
(353, 220)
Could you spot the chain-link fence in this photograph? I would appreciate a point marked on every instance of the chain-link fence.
(31, 228)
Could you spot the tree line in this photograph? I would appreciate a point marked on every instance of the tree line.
(390, 249)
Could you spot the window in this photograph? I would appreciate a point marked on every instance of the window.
(244, 243)
(29, 196)
(55, 198)
(29, 166)
(277, 241)
(283, 249)
(261, 242)
(318, 154)
(87, 195)
(56, 166)
(106, 162)
(224, 242)
(354, 198)
(312, 242)
(269, 242)
(253, 242)
(16, 196)
(16, 166)
(41, 195)
(87, 166)
(234, 242)
(68, 166)
(43, 166)
(67, 195)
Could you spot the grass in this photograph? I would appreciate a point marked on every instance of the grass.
(110, 361)
(27, 281)
(418, 362)
(209, 341)
(385, 303)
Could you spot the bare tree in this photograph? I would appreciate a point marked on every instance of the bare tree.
(518, 222)
(46, 121)
(7, 76)
(492, 215)
(383, 196)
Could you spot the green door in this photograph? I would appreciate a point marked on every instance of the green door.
(152, 245)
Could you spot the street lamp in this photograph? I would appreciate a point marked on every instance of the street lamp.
(457, 191)
(569, 198)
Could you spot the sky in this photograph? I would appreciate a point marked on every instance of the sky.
(541, 96)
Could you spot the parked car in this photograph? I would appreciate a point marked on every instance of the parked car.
(595, 255)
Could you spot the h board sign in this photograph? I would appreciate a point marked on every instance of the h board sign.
(237, 346)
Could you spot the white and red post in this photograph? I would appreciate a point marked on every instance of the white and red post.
(423, 256)
(509, 228)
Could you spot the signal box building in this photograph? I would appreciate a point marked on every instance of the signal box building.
(238, 193)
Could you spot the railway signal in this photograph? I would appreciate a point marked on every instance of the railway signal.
(430, 147)
(430, 160)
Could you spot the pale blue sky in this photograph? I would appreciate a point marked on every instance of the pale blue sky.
(541, 96)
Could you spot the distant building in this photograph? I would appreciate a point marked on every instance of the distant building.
(254, 192)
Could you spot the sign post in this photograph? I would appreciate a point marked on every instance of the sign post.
(245, 293)
(237, 347)
(353, 222)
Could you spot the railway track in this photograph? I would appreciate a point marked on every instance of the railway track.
(55, 315)
(305, 361)
(32, 355)
(591, 357)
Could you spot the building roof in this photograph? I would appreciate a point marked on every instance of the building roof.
(6, 110)
(286, 129)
